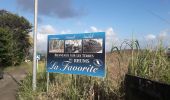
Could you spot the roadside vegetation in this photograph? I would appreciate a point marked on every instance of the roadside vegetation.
(73, 87)
(14, 39)
(129, 58)
(150, 62)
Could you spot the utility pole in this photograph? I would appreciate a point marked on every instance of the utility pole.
(35, 46)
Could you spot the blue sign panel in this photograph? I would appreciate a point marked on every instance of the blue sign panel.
(77, 54)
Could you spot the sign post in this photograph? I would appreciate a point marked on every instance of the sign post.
(82, 54)
(35, 45)
(47, 81)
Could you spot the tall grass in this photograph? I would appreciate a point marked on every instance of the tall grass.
(25, 91)
(150, 63)
(78, 87)
(73, 87)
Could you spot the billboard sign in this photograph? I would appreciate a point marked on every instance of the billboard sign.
(82, 54)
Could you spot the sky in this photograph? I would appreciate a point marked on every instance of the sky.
(147, 20)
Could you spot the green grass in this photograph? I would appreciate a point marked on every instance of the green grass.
(41, 67)
(151, 63)
(23, 65)
(26, 92)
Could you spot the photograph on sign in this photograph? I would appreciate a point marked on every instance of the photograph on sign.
(73, 46)
(92, 46)
(82, 54)
(56, 46)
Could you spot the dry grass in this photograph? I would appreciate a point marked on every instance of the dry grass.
(74, 87)
(79, 87)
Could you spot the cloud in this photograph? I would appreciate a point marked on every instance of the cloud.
(56, 8)
(43, 32)
(42, 42)
(47, 29)
(150, 37)
(154, 40)
(93, 29)
(163, 35)
(65, 31)
(111, 37)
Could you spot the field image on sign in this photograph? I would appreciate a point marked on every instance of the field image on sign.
(92, 45)
(56, 46)
(73, 46)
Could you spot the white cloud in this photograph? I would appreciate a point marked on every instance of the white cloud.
(154, 39)
(43, 32)
(163, 35)
(110, 31)
(111, 37)
(47, 29)
(65, 31)
(41, 42)
(94, 29)
(150, 37)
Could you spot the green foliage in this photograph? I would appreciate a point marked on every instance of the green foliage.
(25, 90)
(15, 30)
(5, 47)
(151, 63)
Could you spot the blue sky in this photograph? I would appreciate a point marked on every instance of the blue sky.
(147, 19)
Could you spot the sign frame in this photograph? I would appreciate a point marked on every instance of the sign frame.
(82, 54)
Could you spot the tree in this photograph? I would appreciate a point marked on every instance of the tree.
(5, 46)
(18, 28)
